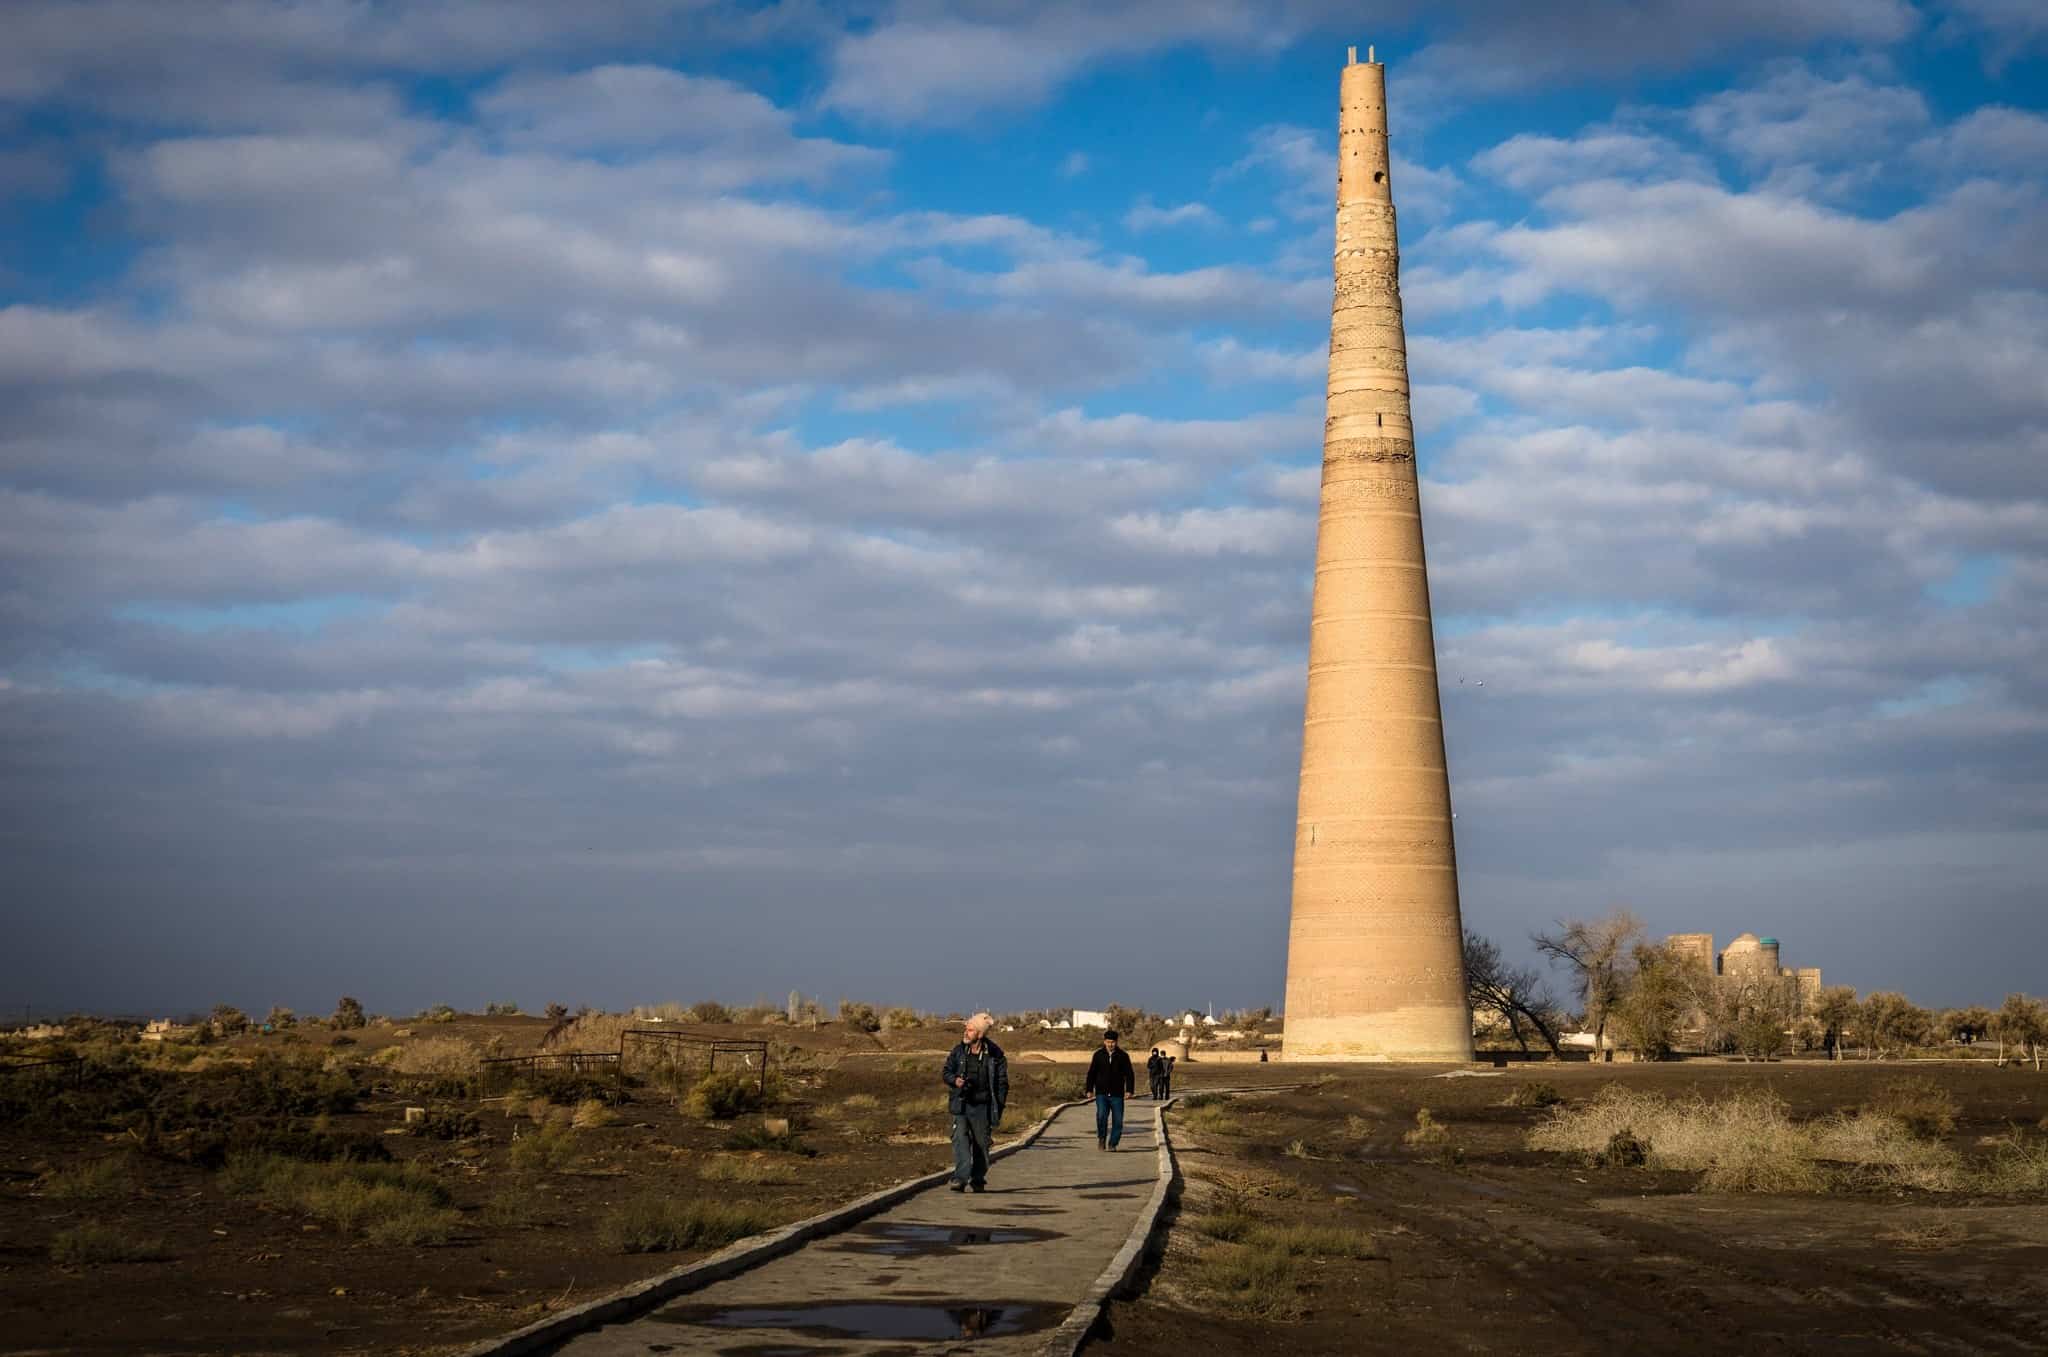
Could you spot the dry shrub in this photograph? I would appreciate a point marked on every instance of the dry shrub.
(1429, 1133)
(110, 1177)
(751, 1172)
(858, 1103)
(590, 1032)
(1534, 1093)
(1357, 1127)
(654, 1222)
(1884, 1142)
(2017, 1165)
(1922, 1106)
(434, 1056)
(547, 1149)
(385, 1203)
(591, 1114)
(1624, 1151)
(1209, 1119)
(723, 1096)
(83, 1245)
(1745, 1143)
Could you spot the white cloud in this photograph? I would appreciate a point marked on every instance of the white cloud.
(1145, 215)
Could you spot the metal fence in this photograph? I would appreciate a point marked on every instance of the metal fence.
(679, 1055)
(65, 1069)
(572, 1062)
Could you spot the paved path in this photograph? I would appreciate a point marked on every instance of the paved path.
(985, 1273)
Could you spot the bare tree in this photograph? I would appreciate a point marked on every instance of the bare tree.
(1597, 954)
(1515, 993)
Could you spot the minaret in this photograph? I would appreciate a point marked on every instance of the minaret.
(1375, 966)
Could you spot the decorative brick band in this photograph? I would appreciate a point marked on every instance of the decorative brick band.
(1368, 450)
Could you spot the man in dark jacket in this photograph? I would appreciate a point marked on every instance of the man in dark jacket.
(1155, 1068)
(977, 1088)
(1109, 1079)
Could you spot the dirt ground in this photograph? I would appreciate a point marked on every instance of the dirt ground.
(1516, 1251)
(238, 1276)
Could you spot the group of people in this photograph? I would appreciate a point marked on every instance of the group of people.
(977, 1077)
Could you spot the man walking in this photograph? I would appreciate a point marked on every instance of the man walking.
(977, 1087)
(1109, 1079)
(1154, 1068)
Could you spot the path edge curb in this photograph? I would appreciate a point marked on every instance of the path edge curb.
(544, 1334)
(1073, 1331)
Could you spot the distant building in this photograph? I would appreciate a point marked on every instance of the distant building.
(1750, 964)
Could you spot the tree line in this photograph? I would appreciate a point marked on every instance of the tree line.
(1649, 999)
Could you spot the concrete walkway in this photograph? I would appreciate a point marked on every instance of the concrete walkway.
(993, 1272)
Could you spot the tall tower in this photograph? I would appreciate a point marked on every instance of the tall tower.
(1375, 962)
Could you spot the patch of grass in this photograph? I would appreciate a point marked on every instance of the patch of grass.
(1534, 1093)
(1357, 1127)
(516, 1207)
(547, 1149)
(657, 1223)
(1250, 1281)
(1300, 1149)
(1312, 1241)
(751, 1172)
(1919, 1104)
(858, 1103)
(94, 1180)
(386, 1203)
(84, 1245)
(1930, 1238)
(1199, 1100)
(1209, 1119)
(1229, 1226)
(591, 1113)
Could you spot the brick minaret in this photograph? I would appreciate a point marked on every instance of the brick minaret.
(1375, 969)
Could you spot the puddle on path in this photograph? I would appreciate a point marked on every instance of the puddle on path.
(871, 1319)
(906, 1239)
(1104, 1196)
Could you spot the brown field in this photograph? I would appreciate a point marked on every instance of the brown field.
(1321, 1221)
(110, 1244)
(177, 1202)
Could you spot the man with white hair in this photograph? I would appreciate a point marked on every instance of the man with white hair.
(977, 1086)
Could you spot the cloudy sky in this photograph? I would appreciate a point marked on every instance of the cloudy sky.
(652, 501)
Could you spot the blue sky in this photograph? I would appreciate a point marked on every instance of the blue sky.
(686, 501)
